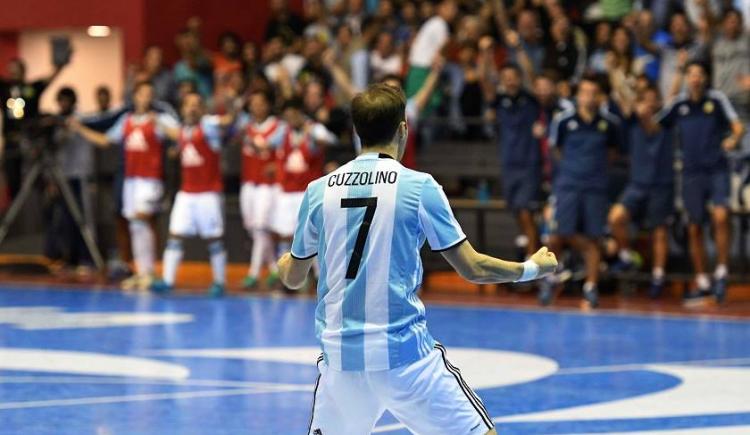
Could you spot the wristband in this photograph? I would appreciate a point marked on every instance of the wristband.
(530, 271)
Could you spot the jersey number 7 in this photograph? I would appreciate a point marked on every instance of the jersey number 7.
(359, 246)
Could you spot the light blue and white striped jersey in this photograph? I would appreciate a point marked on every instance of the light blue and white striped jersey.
(367, 222)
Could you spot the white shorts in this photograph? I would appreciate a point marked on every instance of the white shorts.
(197, 214)
(256, 205)
(429, 397)
(285, 213)
(141, 196)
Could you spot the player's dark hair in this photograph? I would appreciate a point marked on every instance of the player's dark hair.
(512, 66)
(703, 66)
(140, 84)
(68, 93)
(377, 113)
(294, 103)
(263, 93)
(732, 11)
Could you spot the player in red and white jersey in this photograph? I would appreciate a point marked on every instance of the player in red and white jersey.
(197, 209)
(262, 133)
(142, 134)
(299, 161)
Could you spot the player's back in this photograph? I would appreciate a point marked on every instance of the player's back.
(367, 222)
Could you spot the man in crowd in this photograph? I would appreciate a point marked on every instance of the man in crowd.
(583, 140)
(648, 199)
(19, 102)
(706, 126)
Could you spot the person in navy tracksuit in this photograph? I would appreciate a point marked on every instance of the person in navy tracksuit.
(516, 112)
(706, 126)
(648, 199)
(583, 139)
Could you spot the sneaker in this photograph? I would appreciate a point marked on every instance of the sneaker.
(720, 290)
(696, 298)
(591, 297)
(250, 283)
(216, 290)
(130, 284)
(621, 266)
(145, 282)
(160, 287)
(656, 289)
(546, 292)
(272, 279)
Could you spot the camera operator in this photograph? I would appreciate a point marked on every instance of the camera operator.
(75, 157)
(20, 107)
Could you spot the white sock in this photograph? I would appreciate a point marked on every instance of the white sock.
(702, 281)
(269, 254)
(172, 258)
(143, 242)
(256, 258)
(721, 271)
(218, 261)
(625, 255)
(657, 273)
(589, 286)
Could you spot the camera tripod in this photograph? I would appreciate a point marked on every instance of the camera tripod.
(46, 163)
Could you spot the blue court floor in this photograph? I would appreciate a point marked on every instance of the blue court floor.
(105, 363)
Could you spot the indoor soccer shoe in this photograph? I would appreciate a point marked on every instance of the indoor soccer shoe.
(160, 287)
(696, 298)
(250, 283)
(216, 290)
(272, 279)
(720, 290)
(656, 289)
(591, 297)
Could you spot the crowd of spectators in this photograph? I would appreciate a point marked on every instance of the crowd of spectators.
(449, 55)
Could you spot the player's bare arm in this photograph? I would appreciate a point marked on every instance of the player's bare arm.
(293, 271)
(731, 141)
(484, 269)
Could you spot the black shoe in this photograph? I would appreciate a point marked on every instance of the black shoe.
(720, 290)
(591, 297)
(656, 289)
(546, 292)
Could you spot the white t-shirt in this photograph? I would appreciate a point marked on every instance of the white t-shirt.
(429, 41)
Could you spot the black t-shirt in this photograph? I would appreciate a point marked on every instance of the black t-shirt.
(30, 93)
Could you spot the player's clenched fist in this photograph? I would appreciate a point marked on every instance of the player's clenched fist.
(546, 261)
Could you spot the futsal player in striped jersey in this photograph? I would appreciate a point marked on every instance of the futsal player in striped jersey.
(198, 206)
(366, 223)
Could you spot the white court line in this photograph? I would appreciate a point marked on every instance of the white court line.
(639, 366)
(140, 381)
(103, 400)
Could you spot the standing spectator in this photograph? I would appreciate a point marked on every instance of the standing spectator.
(226, 62)
(706, 127)
(193, 64)
(530, 34)
(582, 139)
(103, 98)
(152, 69)
(516, 112)
(730, 57)
(430, 39)
(283, 23)
(600, 47)
(679, 48)
(20, 107)
(384, 59)
(648, 199)
(645, 50)
(142, 135)
(566, 51)
(75, 158)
